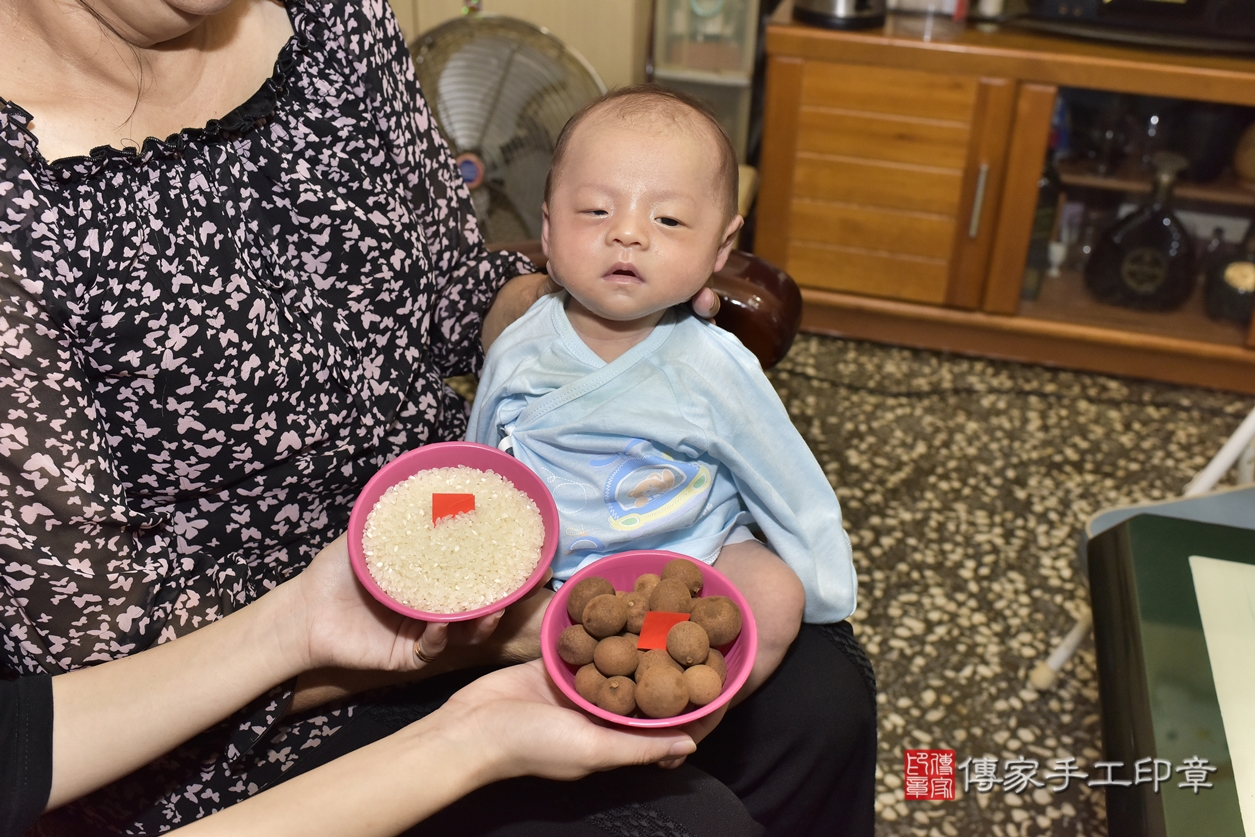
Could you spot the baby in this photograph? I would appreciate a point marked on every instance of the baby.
(655, 429)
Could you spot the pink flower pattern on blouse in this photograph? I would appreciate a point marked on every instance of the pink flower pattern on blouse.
(207, 346)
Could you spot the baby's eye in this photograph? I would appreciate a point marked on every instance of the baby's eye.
(597, 213)
(669, 222)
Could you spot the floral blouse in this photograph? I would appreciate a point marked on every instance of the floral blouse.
(210, 343)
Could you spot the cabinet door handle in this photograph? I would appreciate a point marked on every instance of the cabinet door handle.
(979, 201)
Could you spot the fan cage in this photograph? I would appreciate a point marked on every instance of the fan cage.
(501, 89)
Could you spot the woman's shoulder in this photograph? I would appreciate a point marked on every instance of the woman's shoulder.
(358, 27)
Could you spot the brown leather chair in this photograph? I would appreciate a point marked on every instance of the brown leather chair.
(759, 303)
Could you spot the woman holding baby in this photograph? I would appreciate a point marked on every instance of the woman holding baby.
(212, 339)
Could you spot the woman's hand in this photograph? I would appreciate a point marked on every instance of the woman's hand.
(345, 627)
(527, 727)
(705, 303)
(512, 302)
(512, 722)
(342, 624)
(333, 625)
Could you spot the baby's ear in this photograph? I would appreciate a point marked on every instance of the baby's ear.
(729, 239)
(544, 228)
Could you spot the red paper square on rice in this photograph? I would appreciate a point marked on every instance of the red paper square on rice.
(450, 505)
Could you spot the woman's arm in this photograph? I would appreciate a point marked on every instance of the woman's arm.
(506, 637)
(113, 718)
(465, 277)
(116, 717)
(512, 722)
(512, 301)
(67, 536)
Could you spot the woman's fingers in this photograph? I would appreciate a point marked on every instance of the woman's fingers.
(476, 631)
(704, 726)
(431, 642)
(697, 730)
(610, 748)
(521, 715)
(706, 303)
(541, 739)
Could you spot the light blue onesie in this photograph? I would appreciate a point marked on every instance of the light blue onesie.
(673, 445)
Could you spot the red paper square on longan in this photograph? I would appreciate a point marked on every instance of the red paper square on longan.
(657, 624)
(450, 505)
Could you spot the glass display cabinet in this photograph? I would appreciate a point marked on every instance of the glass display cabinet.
(707, 48)
(1117, 243)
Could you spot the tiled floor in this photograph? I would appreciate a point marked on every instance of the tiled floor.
(965, 485)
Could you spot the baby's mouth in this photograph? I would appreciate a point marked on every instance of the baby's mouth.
(623, 273)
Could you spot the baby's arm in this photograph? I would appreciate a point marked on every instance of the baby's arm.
(776, 598)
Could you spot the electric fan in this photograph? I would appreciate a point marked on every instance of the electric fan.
(501, 89)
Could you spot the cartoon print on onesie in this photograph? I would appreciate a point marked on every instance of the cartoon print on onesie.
(646, 489)
(648, 485)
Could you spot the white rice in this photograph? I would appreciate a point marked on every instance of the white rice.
(465, 562)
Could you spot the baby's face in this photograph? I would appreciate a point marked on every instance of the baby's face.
(635, 222)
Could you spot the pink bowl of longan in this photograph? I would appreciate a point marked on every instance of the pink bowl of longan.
(692, 648)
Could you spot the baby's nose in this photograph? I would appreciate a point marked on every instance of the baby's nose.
(630, 229)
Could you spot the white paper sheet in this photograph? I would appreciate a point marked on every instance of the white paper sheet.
(1226, 601)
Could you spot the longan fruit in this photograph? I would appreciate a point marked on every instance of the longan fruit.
(704, 684)
(635, 638)
(654, 657)
(687, 643)
(645, 584)
(617, 695)
(637, 607)
(661, 692)
(575, 646)
(588, 682)
(715, 660)
(615, 655)
(605, 615)
(584, 592)
(685, 570)
(720, 616)
(671, 595)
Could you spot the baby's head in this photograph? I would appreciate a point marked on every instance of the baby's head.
(640, 204)
(648, 105)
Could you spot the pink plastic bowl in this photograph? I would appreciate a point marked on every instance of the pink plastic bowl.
(451, 455)
(622, 570)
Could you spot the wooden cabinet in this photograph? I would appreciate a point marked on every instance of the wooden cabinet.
(899, 185)
(890, 169)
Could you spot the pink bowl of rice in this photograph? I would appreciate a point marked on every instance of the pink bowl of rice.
(466, 565)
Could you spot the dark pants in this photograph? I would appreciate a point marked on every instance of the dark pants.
(797, 758)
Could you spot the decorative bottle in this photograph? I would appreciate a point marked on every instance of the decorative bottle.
(1146, 260)
(1230, 285)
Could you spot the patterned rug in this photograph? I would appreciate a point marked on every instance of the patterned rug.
(965, 485)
